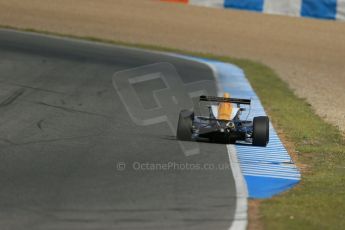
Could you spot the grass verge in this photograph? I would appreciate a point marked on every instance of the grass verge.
(318, 202)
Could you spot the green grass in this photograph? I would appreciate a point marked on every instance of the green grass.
(318, 202)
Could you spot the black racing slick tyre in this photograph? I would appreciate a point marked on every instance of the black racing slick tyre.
(261, 131)
(184, 126)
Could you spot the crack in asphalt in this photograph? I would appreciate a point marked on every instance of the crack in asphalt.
(72, 110)
(49, 140)
(12, 98)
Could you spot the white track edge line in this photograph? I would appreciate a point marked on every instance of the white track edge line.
(240, 220)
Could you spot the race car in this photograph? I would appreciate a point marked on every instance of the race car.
(223, 123)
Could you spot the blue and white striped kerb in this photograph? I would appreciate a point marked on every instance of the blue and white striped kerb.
(267, 170)
(322, 9)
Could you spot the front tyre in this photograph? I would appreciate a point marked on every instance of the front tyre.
(184, 126)
(260, 131)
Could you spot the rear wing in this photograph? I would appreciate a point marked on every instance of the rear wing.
(223, 99)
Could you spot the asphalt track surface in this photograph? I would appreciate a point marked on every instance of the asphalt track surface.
(63, 129)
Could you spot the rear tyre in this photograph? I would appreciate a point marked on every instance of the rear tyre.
(260, 131)
(184, 126)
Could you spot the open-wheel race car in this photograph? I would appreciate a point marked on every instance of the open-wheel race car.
(223, 123)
